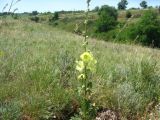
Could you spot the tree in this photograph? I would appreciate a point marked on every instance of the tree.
(143, 4)
(122, 5)
(107, 18)
(56, 16)
(147, 29)
(34, 13)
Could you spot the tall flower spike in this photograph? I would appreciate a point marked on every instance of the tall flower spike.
(85, 66)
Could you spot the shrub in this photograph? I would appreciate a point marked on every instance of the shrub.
(128, 14)
(107, 19)
(147, 30)
(55, 17)
(35, 19)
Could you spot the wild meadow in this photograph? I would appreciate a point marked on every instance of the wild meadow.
(38, 76)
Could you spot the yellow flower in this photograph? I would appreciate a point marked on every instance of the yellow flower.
(86, 57)
(94, 104)
(81, 76)
(92, 65)
(87, 61)
(1, 53)
(80, 66)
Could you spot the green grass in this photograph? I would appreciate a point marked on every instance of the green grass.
(38, 77)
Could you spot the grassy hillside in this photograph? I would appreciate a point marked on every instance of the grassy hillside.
(68, 22)
(38, 77)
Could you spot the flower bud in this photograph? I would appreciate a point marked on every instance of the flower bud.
(81, 77)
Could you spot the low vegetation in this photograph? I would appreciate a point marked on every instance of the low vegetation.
(38, 76)
(52, 74)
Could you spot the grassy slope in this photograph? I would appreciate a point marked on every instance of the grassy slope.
(68, 23)
(36, 59)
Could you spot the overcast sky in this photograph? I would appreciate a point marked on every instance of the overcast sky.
(57, 5)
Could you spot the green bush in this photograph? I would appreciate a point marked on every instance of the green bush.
(147, 30)
(55, 17)
(128, 14)
(107, 19)
(35, 19)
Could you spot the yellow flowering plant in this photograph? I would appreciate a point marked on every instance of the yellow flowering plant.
(1, 53)
(86, 57)
(80, 66)
(87, 61)
(85, 66)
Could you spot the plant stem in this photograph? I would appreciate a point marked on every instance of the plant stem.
(85, 69)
